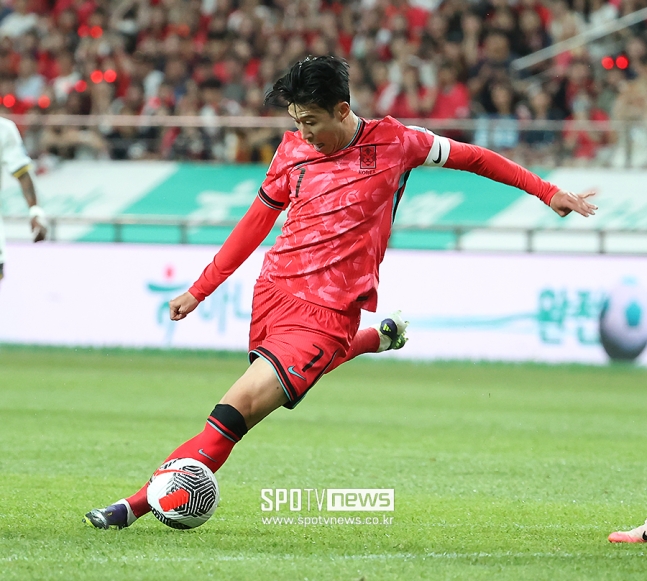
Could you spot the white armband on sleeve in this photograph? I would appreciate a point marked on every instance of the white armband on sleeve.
(439, 152)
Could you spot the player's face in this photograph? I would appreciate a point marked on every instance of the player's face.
(324, 131)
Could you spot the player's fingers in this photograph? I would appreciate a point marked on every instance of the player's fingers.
(581, 209)
(590, 208)
(174, 312)
(585, 209)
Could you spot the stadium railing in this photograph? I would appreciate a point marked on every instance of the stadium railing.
(574, 143)
(624, 146)
(458, 237)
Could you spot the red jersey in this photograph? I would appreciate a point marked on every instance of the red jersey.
(341, 208)
(452, 104)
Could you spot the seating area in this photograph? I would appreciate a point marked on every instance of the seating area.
(430, 60)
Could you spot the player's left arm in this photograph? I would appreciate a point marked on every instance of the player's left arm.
(479, 160)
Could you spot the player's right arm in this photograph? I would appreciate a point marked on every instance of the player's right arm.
(249, 233)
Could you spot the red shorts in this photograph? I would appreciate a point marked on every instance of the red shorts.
(299, 339)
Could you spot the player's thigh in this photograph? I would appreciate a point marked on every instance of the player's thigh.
(268, 304)
(298, 339)
(257, 393)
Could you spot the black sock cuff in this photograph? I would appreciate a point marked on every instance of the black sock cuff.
(230, 419)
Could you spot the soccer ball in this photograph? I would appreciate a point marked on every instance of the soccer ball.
(183, 493)
(623, 322)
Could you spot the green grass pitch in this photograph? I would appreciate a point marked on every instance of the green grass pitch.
(500, 471)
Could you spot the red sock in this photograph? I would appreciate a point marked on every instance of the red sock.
(365, 341)
(212, 447)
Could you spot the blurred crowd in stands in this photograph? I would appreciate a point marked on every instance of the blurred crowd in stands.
(431, 60)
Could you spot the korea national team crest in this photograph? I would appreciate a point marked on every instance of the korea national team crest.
(367, 157)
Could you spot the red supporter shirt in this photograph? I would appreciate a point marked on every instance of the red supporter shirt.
(452, 104)
(341, 208)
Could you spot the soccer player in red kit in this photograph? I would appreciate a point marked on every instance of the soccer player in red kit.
(341, 179)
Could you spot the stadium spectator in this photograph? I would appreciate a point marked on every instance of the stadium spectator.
(635, 49)
(176, 75)
(414, 100)
(492, 68)
(133, 99)
(579, 80)
(499, 130)
(66, 78)
(540, 146)
(533, 35)
(564, 23)
(630, 107)
(18, 22)
(471, 28)
(385, 91)
(29, 84)
(451, 97)
(608, 89)
(74, 141)
(584, 144)
(504, 21)
(144, 71)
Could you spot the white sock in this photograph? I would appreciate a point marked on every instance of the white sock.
(385, 341)
(131, 515)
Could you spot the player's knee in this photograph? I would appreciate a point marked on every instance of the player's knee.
(230, 419)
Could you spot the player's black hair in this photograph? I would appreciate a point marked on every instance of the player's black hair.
(321, 81)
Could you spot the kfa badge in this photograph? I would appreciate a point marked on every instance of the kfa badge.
(367, 157)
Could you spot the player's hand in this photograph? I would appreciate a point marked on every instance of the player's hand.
(38, 230)
(181, 306)
(566, 202)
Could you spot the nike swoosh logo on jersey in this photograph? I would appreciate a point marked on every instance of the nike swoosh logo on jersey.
(440, 154)
(293, 372)
(201, 451)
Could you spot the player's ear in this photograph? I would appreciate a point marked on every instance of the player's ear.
(343, 110)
